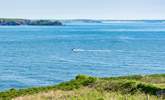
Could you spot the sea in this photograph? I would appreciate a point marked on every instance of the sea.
(47, 55)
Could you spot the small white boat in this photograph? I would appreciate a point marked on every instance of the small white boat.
(77, 50)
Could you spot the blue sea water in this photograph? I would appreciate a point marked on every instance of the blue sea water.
(46, 55)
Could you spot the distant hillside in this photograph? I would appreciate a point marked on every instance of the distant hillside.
(14, 22)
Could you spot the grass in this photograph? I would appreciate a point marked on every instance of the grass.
(85, 94)
(92, 88)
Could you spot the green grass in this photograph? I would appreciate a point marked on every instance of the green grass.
(127, 86)
(85, 94)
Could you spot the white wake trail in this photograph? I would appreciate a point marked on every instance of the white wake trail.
(83, 50)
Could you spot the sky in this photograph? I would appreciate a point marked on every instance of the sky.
(83, 9)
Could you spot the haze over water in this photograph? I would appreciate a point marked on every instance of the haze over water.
(46, 55)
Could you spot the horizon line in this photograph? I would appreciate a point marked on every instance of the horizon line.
(77, 19)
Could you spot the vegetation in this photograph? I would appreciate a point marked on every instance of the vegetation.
(85, 94)
(93, 88)
(4, 21)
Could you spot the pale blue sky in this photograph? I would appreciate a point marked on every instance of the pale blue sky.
(83, 9)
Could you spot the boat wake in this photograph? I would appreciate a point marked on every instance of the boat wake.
(108, 50)
(83, 50)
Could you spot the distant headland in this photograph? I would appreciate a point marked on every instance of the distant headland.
(16, 22)
(51, 22)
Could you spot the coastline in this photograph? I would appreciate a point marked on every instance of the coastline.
(18, 22)
(147, 84)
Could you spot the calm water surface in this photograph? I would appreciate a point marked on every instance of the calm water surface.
(45, 55)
